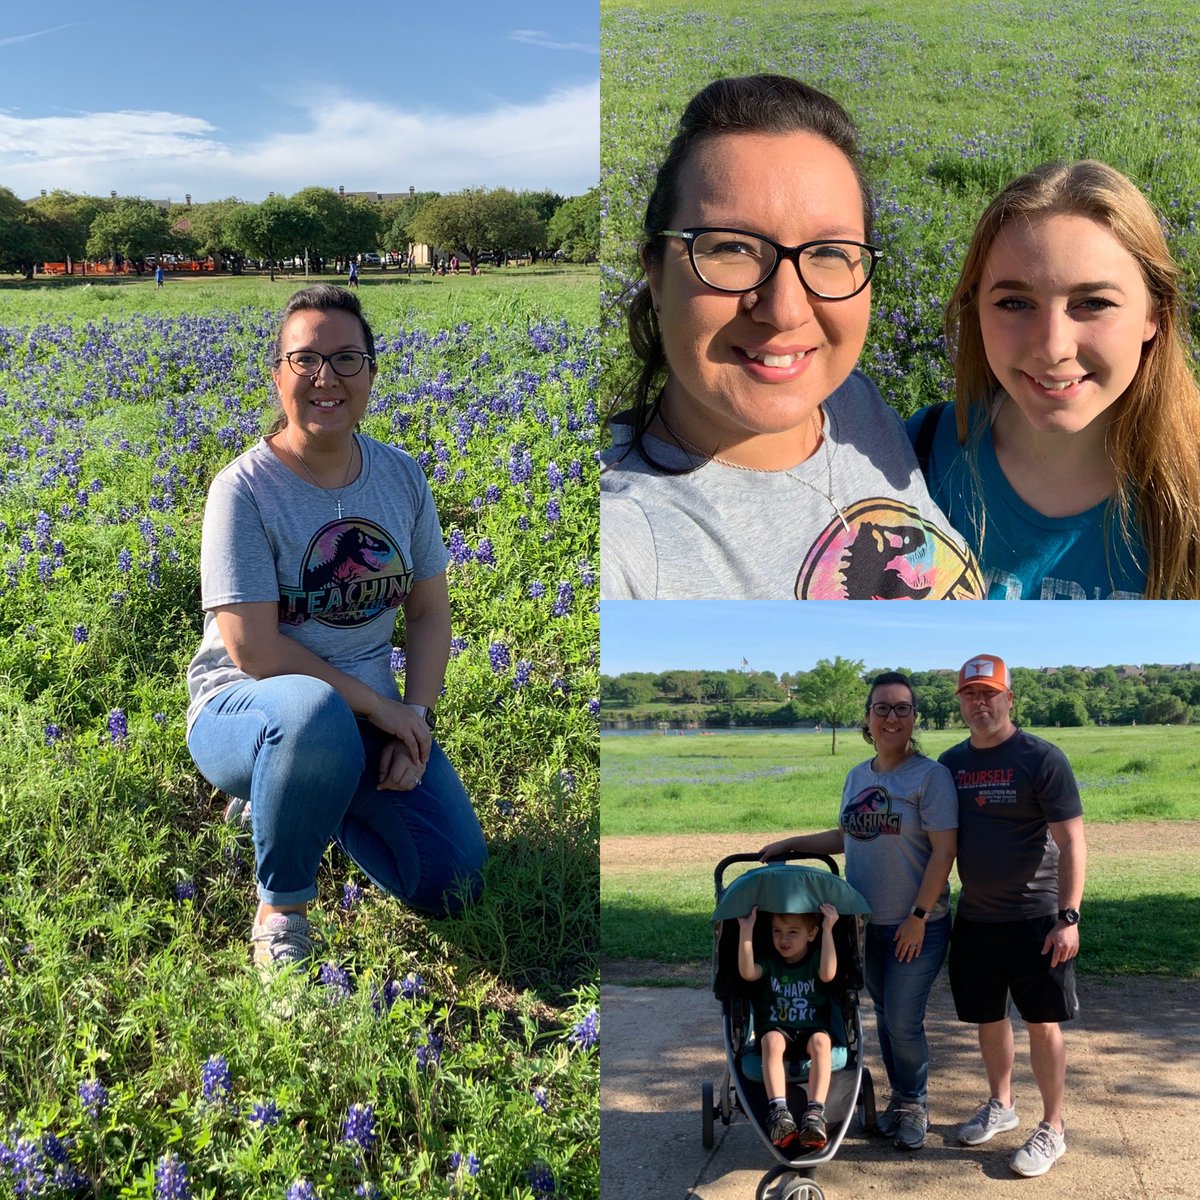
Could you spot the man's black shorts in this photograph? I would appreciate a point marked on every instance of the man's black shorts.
(990, 961)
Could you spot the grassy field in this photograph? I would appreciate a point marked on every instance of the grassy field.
(430, 1058)
(1138, 785)
(952, 101)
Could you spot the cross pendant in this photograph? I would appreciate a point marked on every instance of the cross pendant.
(339, 504)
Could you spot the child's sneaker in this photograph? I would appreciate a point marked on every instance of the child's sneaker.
(1043, 1149)
(781, 1129)
(813, 1135)
(282, 940)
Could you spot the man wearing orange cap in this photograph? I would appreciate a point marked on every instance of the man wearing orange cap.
(1022, 859)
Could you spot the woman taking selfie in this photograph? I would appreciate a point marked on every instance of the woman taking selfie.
(755, 462)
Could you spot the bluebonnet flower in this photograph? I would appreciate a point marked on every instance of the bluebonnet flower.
(125, 562)
(336, 980)
(302, 1190)
(382, 1001)
(457, 646)
(399, 660)
(412, 986)
(263, 1115)
(541, 1099)
(94, 1098)
(118, 727)
(53, 733)
(484, 552)
(359, 1126)
(520, 464)
(368, 1191)
(472, 1163)
(575, 471)
(554, 477)
(351, 895)
(564, 600)
(541, 1179)
(492, 494)
(567, 781)
(26, 1164)
(429, 1054)
(80, 634)
(593, 707)
(159, 718)
(45, 568)
(459, 550)
(185, 889)
(586, 1033)
(536, 590)
(216, 1080)
(559, 685)
(440, 474)
(170, 1178)
(521, 675)
(499, 657)
(505, 808)
(553, 512)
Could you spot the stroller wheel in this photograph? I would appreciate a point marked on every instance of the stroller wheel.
(707, 1112)
(791, 1186)
(866, 1102)
(802, 1189)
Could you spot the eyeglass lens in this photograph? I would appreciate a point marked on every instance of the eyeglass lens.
(344, 362)
(884, 710)
(739, 262)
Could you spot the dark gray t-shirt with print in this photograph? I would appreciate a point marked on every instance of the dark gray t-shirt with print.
(338, 581)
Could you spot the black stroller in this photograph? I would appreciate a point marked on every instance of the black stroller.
(787, 887)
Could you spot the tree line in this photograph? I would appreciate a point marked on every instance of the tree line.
(324, 225)
(834, 692)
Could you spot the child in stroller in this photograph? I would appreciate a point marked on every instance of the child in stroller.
(791, 1009)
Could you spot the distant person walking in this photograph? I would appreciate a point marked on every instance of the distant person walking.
(159, 275)
(353, 280)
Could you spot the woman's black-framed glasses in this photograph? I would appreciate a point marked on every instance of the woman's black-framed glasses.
(885, 710)
(735, 260)
(343, 362)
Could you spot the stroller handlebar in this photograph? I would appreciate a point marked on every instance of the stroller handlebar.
(729, 860)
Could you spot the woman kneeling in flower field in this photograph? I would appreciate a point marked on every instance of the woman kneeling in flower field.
(312, 539)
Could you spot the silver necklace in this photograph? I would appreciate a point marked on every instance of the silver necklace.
(345, 482)
(812, 487)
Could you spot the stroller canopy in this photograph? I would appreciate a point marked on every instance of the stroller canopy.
(788, 888)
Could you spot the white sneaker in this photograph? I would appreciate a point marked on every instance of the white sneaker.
(1043, 1149)
(991, 1119)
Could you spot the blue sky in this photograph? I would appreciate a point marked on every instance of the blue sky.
(222, 98)
(788, 636)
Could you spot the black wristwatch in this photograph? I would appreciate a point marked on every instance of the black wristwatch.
(426, 710)
(1069, 916)
(918, 912)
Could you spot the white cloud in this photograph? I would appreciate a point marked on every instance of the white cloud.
(359, 144)
(539, 37)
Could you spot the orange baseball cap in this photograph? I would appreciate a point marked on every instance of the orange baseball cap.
(987, 670)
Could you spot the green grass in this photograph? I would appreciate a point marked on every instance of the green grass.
(1140, 904)
(105, 973)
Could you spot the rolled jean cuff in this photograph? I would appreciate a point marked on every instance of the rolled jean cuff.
(283, 899)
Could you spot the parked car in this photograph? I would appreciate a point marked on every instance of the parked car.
(369, 259)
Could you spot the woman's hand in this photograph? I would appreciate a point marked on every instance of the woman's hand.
(775, 850)
(406, 726)
(909, 939)
(398, 770)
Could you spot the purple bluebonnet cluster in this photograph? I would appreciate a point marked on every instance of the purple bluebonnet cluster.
(484, 552)
(264, 1115)
(170, 1178)
(522, 674)
(399, 660)
(457, 646)
(368, 1191)
(335, 980)
(537, 590)
(429, 1053)
(593, 706)
(586, 1033)
(412, 986)
(383, 998)
(216, 1080)
(567, 781)
(351, 895)
(564, 600)
(541, 1179)
(471, 1163)
(541, 1099)
(38, 1166)
(359, 1127)
(52, 734)
(93, 1096)
(118, 727)
(79, 635)
(302, 1190)
(185, 889)
(499, 657)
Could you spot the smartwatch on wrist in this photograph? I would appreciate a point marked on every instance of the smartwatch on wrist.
(1069, 916)
(427, 712)
(918, 912)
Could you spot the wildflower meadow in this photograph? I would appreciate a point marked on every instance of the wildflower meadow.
(140, 1054)
(951, 101)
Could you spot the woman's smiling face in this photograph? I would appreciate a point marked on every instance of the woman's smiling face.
(793, 188)
(1064, 313)
(893, 732)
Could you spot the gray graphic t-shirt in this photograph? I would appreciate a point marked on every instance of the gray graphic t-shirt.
(338, 581)
(886, 818)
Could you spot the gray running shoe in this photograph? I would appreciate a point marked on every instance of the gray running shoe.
(1043, 1149)
(885, 1122)
(282, 940)
(912, 1123)
(781, 1129)
(991, 1119)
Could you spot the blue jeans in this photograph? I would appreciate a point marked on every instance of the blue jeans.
(900, 991)
(293, 748)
